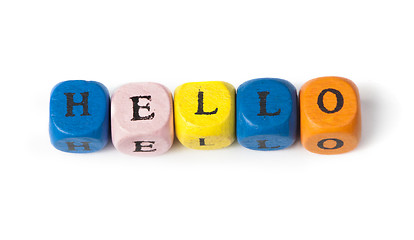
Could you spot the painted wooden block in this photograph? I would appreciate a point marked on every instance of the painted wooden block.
(330, 118)
(205, 114)
(79, 116)
(142, 119)
(267, 115)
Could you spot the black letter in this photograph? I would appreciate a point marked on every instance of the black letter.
(203, 142)
(262, 144)
(70, 104)
(339, 100)
(263, 112)
(138, 146)
(71, 146)
(200, 110)
(136, 107)
(339, 143)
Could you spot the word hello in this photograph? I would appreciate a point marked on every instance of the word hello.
(263, 115)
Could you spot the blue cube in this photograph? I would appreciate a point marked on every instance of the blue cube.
(79, 116)
(267, 114)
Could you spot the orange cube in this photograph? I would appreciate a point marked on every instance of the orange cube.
(330, 115)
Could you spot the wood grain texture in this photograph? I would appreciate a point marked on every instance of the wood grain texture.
(266, 114)
(205, 114)
(79, 116)
(142, 119)
(330, 115)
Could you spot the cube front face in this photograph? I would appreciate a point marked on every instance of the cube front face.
(205, 114)
(266, 114)
(142, 119)
(79, 116)
(330, 115)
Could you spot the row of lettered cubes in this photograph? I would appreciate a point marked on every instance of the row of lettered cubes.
(265, 114)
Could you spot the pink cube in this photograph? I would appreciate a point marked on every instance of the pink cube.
(142, 119)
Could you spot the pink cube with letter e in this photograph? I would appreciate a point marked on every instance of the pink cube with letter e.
(142, 119)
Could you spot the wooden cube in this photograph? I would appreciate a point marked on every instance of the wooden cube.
(205, 114)
(142, 119)
(79, 116)
(330, 115)
(266, 114)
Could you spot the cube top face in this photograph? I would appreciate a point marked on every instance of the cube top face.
(331, 108)
(266, 114)
(79, 116)
(262, 101)
(330, 115)
(205, 114)
(142, 119)
(142, 104)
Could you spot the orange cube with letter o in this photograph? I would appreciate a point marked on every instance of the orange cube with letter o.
(330, 115)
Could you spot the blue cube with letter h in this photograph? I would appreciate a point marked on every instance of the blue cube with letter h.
(79, 116)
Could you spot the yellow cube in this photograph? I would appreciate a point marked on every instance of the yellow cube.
(204, 114)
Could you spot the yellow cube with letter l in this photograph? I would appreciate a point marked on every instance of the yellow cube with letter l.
(204, 114)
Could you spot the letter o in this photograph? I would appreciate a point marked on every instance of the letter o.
(339, 143)
(339, 100)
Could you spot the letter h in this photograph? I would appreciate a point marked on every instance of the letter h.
(70, 103)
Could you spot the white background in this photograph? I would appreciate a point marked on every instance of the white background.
(232, 193)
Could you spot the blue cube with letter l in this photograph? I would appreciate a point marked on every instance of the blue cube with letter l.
(267, 114)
